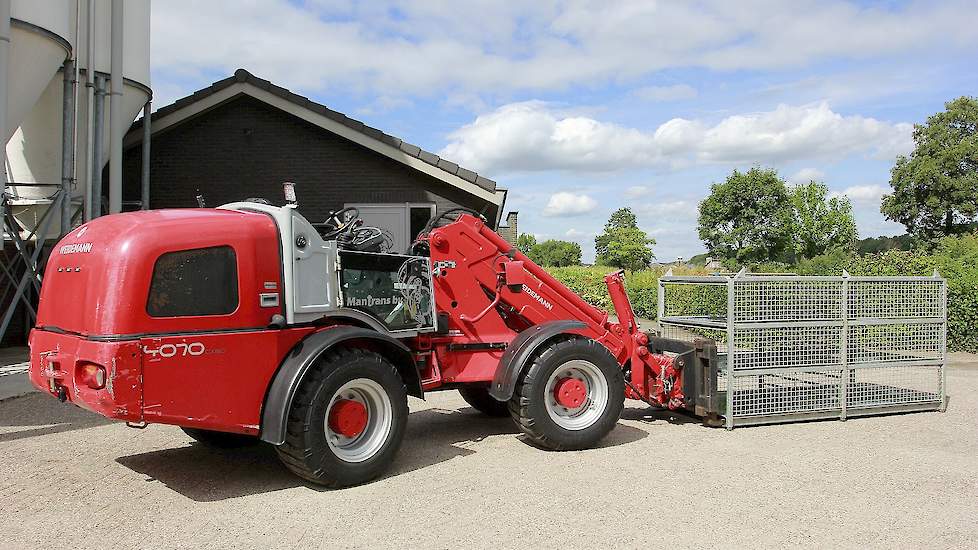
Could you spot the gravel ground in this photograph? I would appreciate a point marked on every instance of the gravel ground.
(70, 479)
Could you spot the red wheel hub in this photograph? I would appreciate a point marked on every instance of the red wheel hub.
(348, 417)
(570, 392)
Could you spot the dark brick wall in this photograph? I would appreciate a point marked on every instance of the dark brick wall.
(246, 148)
(509, 230)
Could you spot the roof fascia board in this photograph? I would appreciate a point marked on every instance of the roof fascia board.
(501, 194)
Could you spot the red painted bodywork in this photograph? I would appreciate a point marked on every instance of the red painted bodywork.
(477, 273)
(213, 372)
(203, 371)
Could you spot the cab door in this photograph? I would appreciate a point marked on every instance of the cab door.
(198, 375)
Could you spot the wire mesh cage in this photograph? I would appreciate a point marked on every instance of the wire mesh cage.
(795, 347)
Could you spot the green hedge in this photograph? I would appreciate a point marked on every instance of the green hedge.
(642, 286)
(956, 259)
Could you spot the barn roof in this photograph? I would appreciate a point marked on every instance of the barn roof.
(243, 82)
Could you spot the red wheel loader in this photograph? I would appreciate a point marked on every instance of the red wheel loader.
(247, 322)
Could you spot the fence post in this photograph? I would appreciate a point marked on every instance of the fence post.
(661, 306)
(730, 349)
(943, 305)
(844, 348)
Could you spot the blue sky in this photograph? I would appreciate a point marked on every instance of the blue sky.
(579, 108)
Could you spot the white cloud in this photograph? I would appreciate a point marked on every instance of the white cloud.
(665, 208)
(424, 47)
(578, 236)
(799, 132)
(636, 191)
(806, 175)
(666, 93)
(531, 136)
(863, 194)
(568, 204)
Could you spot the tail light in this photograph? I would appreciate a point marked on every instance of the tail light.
(92, 375)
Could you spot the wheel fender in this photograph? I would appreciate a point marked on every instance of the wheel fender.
(285, 383)
(519, 352)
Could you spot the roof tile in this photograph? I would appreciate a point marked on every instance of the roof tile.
(448, 166)
(485, 183)
(390, 140)
(467, 175)
(430, 158)
(410, 149)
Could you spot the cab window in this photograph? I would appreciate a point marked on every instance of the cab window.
(202, 281)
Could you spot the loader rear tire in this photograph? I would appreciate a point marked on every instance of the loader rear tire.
(550, 422)
(479, 398)
(328, 445)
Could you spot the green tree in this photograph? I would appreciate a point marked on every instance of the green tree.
(525, 242)
(554, 253)
(747, 218)
(820, 224)
(935, 189)
(623, 244)
(875, 245)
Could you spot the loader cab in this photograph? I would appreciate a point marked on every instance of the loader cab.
(163, 272)
(390, 293)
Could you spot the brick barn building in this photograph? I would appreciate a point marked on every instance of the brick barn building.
(243, 136)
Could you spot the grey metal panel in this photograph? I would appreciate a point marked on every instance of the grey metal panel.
(800, 347)
(316, 285)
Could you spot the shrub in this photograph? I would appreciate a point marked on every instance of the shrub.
(955, 258)
(556, 253)
(642, 286)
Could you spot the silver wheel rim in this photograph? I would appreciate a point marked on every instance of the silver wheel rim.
(380, 417)
(594, 404)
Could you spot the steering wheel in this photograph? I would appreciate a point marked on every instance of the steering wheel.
(338, 222)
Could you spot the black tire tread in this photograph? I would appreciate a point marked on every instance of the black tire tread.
(478, 397)
(519, 405)
(293, 452)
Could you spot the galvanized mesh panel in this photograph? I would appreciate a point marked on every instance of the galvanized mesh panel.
(697, 301)
(787, 346)
(788, 392)
(792, 299)
(895, 299)
(793, 327)
(881, 386)
(897, 342)
(689, 334)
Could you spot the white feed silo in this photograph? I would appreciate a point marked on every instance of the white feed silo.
(40, 41)
(60, 29)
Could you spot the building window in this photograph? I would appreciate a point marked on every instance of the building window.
(203, 281)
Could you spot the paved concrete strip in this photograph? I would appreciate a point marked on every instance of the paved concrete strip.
(72, 479)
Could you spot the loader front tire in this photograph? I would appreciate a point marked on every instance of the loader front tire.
(479, 398)
(570, 396)
(347, 419)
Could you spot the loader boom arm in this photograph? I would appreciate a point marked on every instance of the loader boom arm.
(489, 292)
